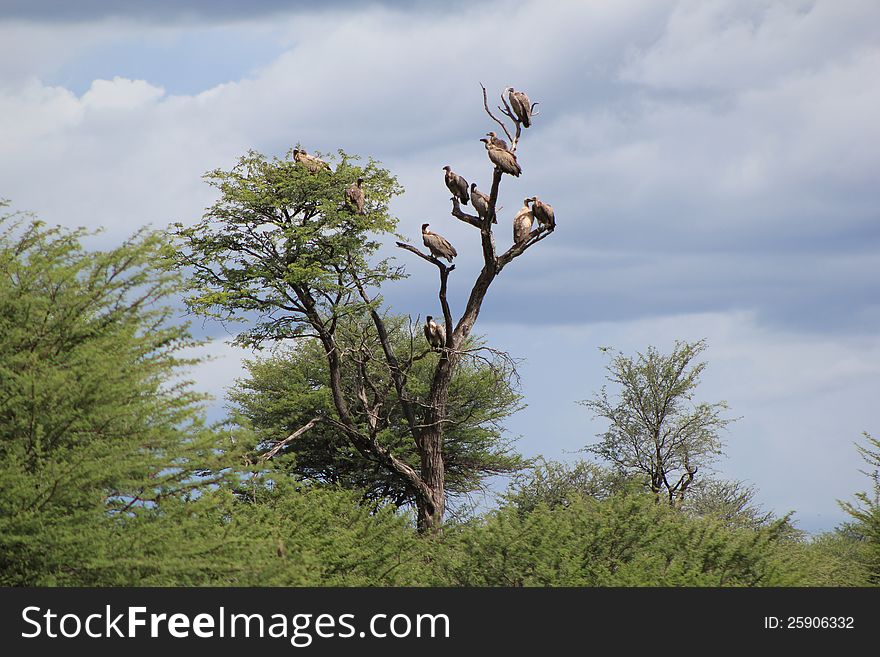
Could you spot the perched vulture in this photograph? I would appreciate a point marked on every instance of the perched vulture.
(456, 184)
(480, 202)
(503, 159)
(435, 333)
(522, 223)
(543, 213)
(438, 245)
(354, 196)
(521, 106)
(495, 140)
(312, 163)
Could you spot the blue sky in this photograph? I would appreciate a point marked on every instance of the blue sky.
(713, 165)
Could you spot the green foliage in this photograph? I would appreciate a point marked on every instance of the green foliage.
(280, 245)
(656, 431)
(627, 539)
(731, 502)
(838, 558)
(278, 535)
(91, 418)
(866, 511)
(554, 484)
(287, 389)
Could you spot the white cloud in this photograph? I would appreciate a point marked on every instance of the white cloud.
(120, 94)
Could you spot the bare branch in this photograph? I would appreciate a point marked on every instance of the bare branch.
(431, 259)
(492, 116)
(282, 443)
(397, 373)
(518, 249)
(464, 216)
(372, 449)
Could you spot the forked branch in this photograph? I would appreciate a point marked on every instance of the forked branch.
(493, 117)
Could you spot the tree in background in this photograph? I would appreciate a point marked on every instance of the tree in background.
(94, 420)
(553, 484)
(731, 502)
(656, 431)
(285, 249)
(287, 390)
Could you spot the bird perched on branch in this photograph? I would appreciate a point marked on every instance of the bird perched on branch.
(354, 196)
(495, 140)
(456, 184)
(435, 333)
(310, 162)
(521, 106)
(438, 245)
(480, 202)
(522, 223)
(543, 213)
(503, 159)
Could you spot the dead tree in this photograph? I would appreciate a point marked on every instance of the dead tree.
(429, 436)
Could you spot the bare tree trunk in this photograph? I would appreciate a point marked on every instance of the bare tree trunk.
(431, 495)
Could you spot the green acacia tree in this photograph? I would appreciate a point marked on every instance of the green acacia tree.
(289, 390)
(93, 420)
(283, 250)
(655, 429)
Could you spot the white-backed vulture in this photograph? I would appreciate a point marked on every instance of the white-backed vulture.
(438, 245)
(522, 223)
(495, 140)
(543, 213)
(480, 201)
(354, 196)
(503, 159)
(310, 162)
(435, 333)
(456, 184)
(521, 106)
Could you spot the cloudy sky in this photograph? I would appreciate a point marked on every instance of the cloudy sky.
(713, 165)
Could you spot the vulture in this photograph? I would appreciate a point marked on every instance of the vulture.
(521, 106)
(503, 159)
(435, 333)
(522, 223)
(480, 202)
(543, 213)
(456, 184)
(495, 140)
(438, 245)
(312, 163)
(354, 195)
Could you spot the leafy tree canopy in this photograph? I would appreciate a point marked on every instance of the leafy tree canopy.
(655, 429)
(93, 415)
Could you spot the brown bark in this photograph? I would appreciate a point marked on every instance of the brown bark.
(431, 503)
